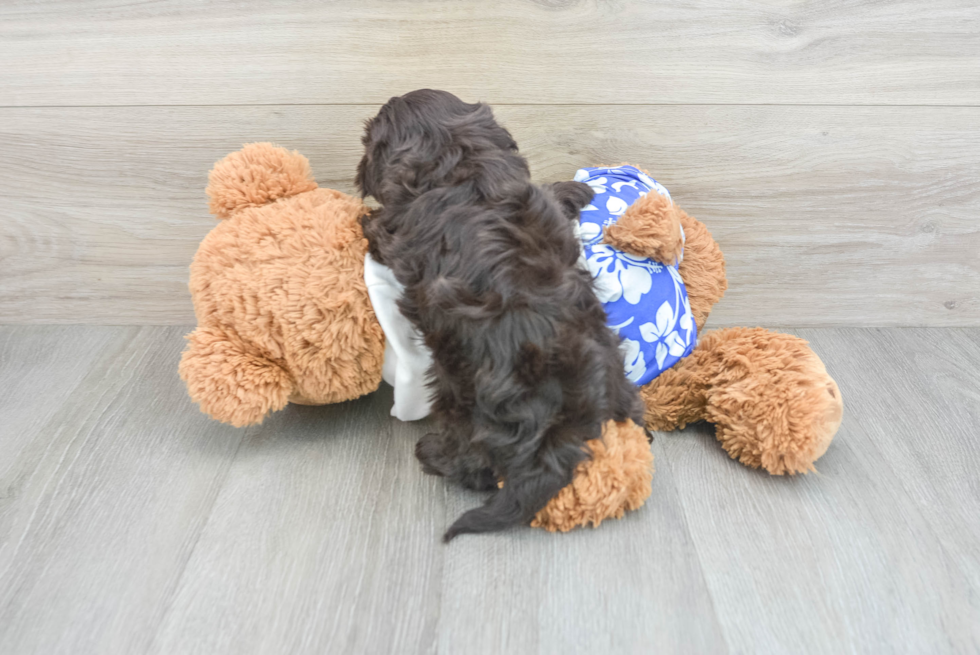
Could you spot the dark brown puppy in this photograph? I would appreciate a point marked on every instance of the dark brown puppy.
(525, 370)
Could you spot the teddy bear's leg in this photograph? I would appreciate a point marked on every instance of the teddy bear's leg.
(615, 479)
(678, 396)
(230, 380)
(772, 402)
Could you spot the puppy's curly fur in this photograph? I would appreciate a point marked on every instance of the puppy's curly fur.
(525, 369)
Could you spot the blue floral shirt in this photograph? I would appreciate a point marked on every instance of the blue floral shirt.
(646, 302)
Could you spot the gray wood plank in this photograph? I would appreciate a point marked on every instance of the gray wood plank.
(133, 524)
(924, 426)
(331, 543)
(40, 368)
(108, 498)
(325, 539)
(827, 215)
(878, 551)
(630, 586)
(100, 52)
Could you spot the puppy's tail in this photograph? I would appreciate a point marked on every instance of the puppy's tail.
(521, 497)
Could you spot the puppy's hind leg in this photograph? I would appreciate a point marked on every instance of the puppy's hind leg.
(625, 400)
(436, 453)
(478, 478)
(441, 453)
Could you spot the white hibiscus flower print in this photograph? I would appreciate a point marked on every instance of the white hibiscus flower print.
(687, 320)
(620, 326)
(664, 331)
(653, 184)
(646, 179)
(589, 232)
(618, 186)
(598, 185)
(616, 206)
(636, 366)
(618, 275)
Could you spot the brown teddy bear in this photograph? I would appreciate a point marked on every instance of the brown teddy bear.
(284, 315)
(278, 286)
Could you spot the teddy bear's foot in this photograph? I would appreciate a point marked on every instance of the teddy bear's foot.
(617, 478)
(784, 415)
(769, 395)
(229, 381)
(772, 402)
(296, 398)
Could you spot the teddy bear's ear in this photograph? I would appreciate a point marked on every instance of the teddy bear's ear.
(257, 174)
(649, 228)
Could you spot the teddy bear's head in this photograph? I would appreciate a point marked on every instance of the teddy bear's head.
(278, 288)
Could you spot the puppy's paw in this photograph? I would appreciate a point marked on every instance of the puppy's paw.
(430, 454)
(480, 480)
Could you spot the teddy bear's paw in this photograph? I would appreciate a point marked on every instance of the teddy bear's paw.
(809, 439)
(773, 403)
(229, 381)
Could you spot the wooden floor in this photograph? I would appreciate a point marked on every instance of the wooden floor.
(130, 523)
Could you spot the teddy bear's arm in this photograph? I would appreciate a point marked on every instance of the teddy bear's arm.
(702, 269)
(652, 227)
(230, 381)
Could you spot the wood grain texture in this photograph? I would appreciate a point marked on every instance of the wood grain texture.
(102, 52)
(827, 215)
(923, 425)
(39, 366)
(106, 493)
(631, 586)
(878, 551)
(132, 524)
(325, 539)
